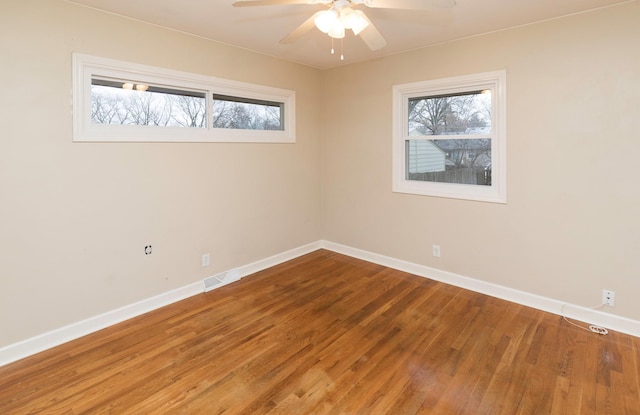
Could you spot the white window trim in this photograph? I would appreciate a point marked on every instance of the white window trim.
(496, 82)
(85, 67)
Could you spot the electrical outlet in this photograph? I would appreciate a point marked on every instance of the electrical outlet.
(436, 251)
(206, 260)
(609, 298)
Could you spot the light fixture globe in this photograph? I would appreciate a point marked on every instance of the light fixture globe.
(337, 30)
(355, 20)
(325, 20)
(347, 16)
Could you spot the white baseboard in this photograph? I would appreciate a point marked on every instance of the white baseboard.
(587, 315)
(73, 331)
(28, 347)
(278, 258)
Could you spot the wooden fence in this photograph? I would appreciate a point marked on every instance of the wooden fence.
(471, 175)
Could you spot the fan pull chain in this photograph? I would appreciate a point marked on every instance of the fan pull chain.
(333, 51)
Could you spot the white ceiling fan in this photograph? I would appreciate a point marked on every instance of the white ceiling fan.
(341, 15)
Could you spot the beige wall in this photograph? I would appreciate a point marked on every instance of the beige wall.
(75, 217)
(571, 226)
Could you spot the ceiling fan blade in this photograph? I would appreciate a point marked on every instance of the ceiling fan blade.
(410, 4)
(248, 3)
(372, 37)
(301, 30)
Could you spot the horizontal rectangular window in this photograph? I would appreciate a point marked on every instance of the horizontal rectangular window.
(450, 137)
(120, 101)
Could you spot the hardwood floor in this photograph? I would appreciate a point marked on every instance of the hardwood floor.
(329, 334)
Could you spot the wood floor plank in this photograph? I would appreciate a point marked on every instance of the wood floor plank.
(329, 334)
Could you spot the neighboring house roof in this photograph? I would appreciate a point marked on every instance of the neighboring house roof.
(452, 144)
(463, 145)
(457, 144)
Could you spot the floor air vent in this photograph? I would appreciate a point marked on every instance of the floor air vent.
(221, 279)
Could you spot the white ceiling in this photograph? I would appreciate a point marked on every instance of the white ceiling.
(261, 28)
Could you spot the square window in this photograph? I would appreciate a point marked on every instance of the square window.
(449, 137)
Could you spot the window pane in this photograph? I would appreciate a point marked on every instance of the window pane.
(458, 161)
(247, 114)
(468, 113)
(135, 103)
